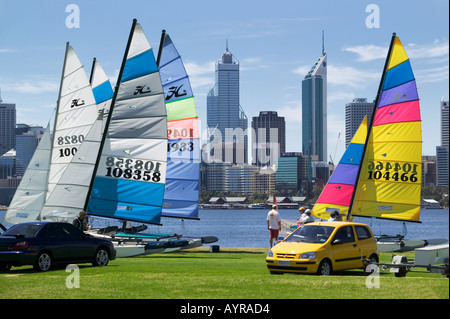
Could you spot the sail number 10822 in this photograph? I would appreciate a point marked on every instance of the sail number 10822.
(405, 172)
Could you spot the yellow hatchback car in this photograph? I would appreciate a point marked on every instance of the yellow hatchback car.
(323, 247)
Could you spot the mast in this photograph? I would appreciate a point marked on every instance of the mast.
(59, 94)
(92, 71)
(161, 44)
(108, 120)
(369, 126)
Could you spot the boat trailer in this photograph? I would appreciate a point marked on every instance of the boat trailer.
(434, 259)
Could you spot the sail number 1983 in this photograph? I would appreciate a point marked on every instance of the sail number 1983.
(404, 172)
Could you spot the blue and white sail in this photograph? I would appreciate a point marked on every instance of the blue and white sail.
(76, 112)
(183, 150)
(130, 172)
(30, 196)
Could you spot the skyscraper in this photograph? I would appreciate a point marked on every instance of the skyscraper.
(7, 127)
(354, 114)
(442, 152)
(314, 110)
(226, 119)
(268, 138)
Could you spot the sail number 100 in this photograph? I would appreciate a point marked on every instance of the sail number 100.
(405, 172)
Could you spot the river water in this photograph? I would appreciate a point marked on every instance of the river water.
(248, 228)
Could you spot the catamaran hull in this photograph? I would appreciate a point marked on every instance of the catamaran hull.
(407, 245)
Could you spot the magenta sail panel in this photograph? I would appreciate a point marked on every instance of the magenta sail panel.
(396, 113)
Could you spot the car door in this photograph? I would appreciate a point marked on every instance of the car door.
(345, 249)
(57, 242)
(81, 246)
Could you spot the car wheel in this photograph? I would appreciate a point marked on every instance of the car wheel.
(324, 268)
(101, 257)
(43, 262)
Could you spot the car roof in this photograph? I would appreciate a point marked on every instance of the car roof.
(334, 224)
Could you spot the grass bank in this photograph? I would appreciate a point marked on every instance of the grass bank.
(232, 273)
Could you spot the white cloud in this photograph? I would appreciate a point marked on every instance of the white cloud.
(415, 51)
(200, 74)
(30, 87)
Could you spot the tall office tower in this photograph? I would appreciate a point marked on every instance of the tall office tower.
(354, 114)
(442, 152)
(444, 122)
(314, 110)
(27, 140)
(7, 127)
(226, 119)
(268, 138)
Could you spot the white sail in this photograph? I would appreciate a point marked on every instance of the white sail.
(69, 194)
(30, 195)
(76, 112)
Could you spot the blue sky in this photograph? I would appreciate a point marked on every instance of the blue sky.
(276, 43)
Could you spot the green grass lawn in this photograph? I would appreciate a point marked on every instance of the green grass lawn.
(232, 273)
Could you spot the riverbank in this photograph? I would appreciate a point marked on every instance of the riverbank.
(231, 273)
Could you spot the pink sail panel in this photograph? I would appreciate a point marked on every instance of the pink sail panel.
(182, 129)
(400, 112)
(337, 194)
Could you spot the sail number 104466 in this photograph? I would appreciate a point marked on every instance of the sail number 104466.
(398, 172)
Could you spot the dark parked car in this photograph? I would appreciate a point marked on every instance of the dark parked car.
(43, 244)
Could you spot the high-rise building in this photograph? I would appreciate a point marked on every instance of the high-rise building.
(225, 116)
(290, 171)
(314, 110)
(7, 127)
(442, 152)
(27, 139)
(354, 114)
(444, 122)
(268, 138)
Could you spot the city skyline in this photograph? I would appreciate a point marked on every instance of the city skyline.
(275, 46)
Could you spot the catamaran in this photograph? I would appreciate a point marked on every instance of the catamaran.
(379, 175)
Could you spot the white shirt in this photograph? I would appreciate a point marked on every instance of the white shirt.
(306, 218)
(274, 218)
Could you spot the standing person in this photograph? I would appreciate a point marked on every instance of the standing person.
(81, 221)
(273, 224)
(301, 210)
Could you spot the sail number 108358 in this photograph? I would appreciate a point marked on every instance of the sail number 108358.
(133, 169)
(404, 172)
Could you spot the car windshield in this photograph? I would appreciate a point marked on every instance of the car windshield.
(311, 234)
(25, 230)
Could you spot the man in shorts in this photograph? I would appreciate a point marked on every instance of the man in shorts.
(273, 224)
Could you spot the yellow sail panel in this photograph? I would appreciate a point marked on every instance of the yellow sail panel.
(394, 154)
(387, 192)
(323, 211)
(361, 134)
(398, 55)
(402, 211)
(402, 131)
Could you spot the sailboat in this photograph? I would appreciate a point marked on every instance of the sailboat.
(181, 193)
(76, 111)
(386, 184)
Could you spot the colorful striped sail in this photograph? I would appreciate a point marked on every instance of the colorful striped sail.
(390, 179)
(70, 193)
(76, 112)
(30, 196)
(181, 194)
(337, 194)
(130, 171)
